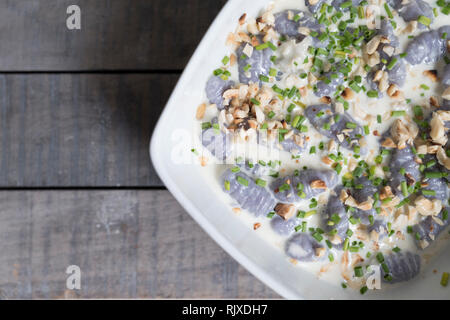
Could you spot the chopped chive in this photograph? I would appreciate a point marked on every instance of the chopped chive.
(254, 101)
(444, 279)
(372, 94)
(392, 64)
(242, 181)
(404, 188)
(351, 125)
(424, 20)
(309, 213)
(263, 78)
(290, 108)
(261, 182)
(388, 11)
(225, 60)
(429, 192)
(346, 244)
(359, 272)
(271, 46)
(380, 257)
(361, 14)
(435, 175)
(366, 130)
(398, 113)
(346, 4)
(235, 169)
(217, 72)
(262, 46)
(317, 236)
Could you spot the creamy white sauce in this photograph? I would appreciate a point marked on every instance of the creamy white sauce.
(291, 52)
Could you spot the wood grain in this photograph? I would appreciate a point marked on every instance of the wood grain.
(128, 244)
(71, 130)
(115, 34)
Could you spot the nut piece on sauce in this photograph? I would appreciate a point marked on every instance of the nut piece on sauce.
(286, 211)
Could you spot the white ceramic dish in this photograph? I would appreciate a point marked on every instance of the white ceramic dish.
(191, 188)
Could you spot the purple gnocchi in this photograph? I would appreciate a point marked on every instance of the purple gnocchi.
(403, 159)
(337, 4)
(413, 9)
(365, 189)
(336, 218)
(400, 267)
(251, 197)
(438, 188)
(342, 127)
(428, 47)
(387, 31)
(303, 247)
(215, 87)
(256, 169)
(217, 142)
(446, 76)
(289, 145)
(307, 184)
(363, 215)
(289, 27)
(427, 231)
(284, 227)
(329, 85)
(315, 5)
(259, 63)
(397, 74)
(379, 226)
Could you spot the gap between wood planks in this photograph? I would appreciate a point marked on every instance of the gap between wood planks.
(99, 71)
(81, 188)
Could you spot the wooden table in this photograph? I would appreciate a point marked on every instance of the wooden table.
(77, 108)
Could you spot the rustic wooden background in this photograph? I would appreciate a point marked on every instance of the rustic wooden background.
(77, 109)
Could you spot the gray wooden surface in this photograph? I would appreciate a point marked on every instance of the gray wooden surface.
(61, 130)
(77, 109)
(116, 34)
(128, 244)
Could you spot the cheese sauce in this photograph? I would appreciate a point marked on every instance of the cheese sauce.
(289, 55)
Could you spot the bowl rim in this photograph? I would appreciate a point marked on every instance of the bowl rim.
(179, 195)
(157, 142)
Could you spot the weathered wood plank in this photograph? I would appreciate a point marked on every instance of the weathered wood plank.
(128, 244)
(69, 130)
(115, 34)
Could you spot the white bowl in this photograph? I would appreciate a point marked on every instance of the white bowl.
(194, 192)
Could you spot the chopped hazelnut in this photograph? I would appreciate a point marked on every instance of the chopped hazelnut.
(286, 211)
(431, 74)
(318, 184)
(200, 111)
